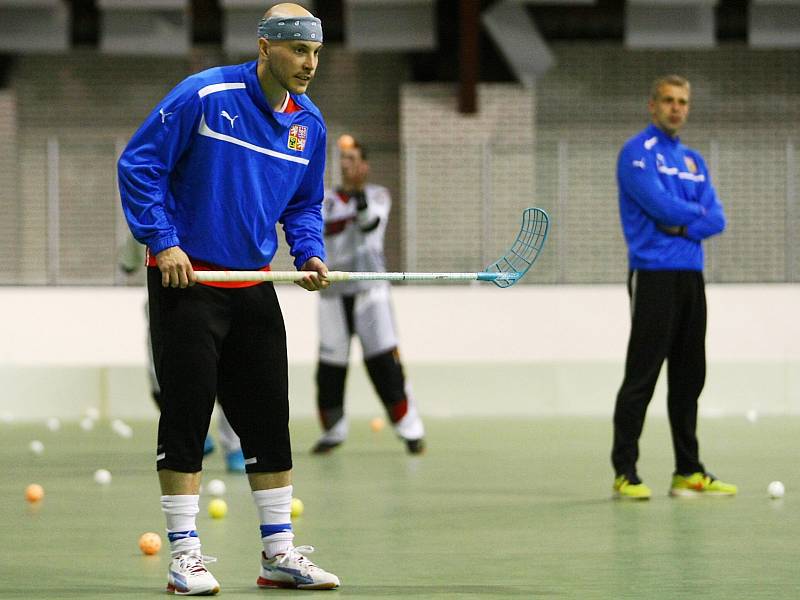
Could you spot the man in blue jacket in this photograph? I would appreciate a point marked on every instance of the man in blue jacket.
(668, 207)
(228, 154)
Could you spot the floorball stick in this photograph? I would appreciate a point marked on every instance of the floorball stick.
(504, 272)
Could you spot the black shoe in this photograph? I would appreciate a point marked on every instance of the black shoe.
(416, 446)
(323, 447)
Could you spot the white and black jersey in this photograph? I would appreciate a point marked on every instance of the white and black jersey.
(353, 238)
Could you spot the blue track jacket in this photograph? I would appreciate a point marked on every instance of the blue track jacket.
(213, 169)
(661, 181)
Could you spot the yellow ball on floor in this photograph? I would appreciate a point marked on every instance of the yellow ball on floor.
(297, 507)
(377, 424)
(217, 508)
(150, 543)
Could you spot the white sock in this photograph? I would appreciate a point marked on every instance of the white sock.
(410, 427)
(181, 512)
(274, 511)
(338, 433)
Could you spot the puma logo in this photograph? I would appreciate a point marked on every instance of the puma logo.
(163, 115)
(225, 114)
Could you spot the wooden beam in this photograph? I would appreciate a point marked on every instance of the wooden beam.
(469, 61)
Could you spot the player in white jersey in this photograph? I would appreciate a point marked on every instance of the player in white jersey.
(356, 215)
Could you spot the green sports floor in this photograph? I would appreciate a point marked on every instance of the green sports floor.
(497, 508)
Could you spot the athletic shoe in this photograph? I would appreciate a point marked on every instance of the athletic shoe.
(631, 489)
(234, 461)
(208, 445)
(700, 484)
(332, 437)
(324, 447)
(415, 446)
(188, 576)
(293, 570)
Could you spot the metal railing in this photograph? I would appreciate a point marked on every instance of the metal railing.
(456, 209)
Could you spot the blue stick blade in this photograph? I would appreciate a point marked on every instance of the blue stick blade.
(513, 265)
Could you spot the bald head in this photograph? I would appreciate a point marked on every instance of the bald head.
(289, 40)
(287, 9)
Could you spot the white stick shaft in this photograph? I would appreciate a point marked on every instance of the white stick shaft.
(333, 276)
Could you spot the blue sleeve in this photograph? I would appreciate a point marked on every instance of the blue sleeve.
(302, 218)
(713, 222)
(147, 161)
(638, 178)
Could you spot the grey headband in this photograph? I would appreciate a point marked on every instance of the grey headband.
(291, 28)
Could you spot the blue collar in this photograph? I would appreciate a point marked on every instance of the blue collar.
(662, 136)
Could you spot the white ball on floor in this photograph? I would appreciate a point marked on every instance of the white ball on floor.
(751, 415)
(122, 429)
(36, 447)
(776, 489)
(87, 423)
(6, 417)
(102, 476)
(215, 487)
(53, 424)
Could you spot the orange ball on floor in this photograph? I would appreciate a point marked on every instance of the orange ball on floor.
(34, 492)
(150, 543)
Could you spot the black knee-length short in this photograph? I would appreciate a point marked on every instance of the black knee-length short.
(225, 343)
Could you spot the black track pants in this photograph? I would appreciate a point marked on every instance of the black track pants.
(668, 322)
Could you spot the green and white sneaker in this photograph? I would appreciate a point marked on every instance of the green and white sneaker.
(293, 570)
(700, 484)
(625, 489)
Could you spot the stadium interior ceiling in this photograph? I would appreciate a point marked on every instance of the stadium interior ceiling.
(604, 20)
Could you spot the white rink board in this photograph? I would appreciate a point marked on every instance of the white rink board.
(561, 347)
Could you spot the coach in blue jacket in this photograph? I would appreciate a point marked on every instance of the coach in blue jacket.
(668, 207)
(224, 157)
